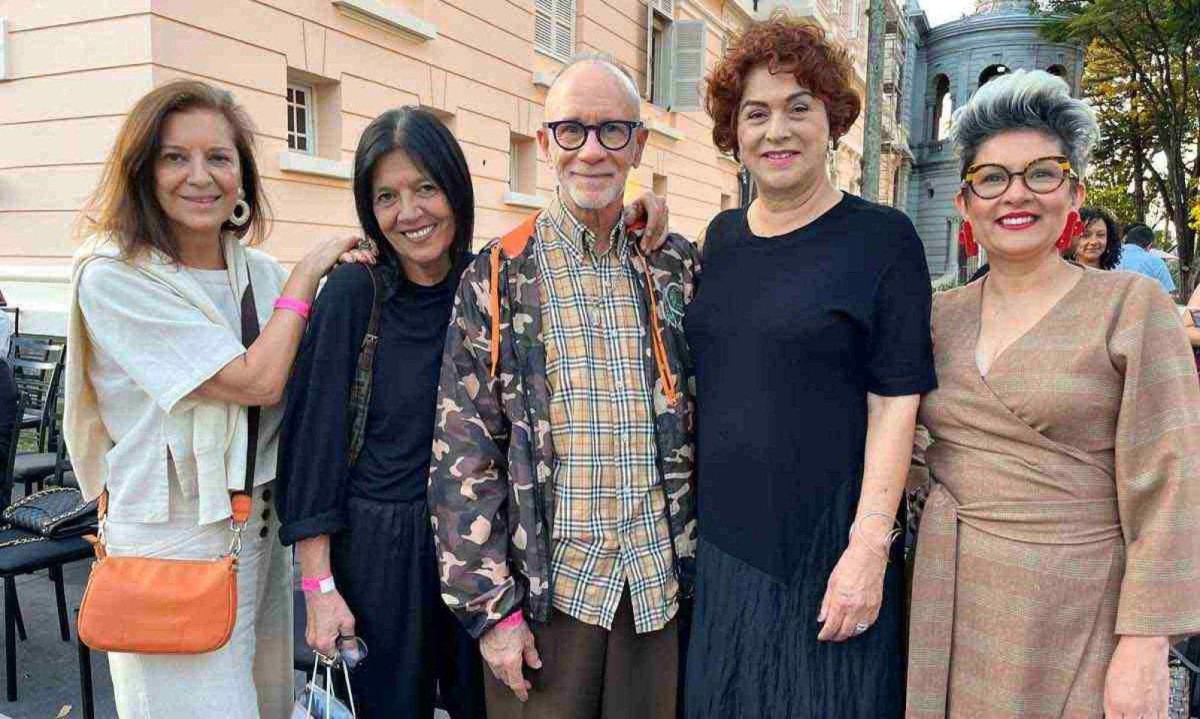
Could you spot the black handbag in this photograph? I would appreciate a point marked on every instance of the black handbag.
(53, 513)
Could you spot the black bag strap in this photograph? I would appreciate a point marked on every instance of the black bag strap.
(249, 313)
(360, 389)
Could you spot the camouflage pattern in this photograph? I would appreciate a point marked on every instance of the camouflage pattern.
(490, 493)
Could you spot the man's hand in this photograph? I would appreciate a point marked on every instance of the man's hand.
(1138, 684)
(506, 650)
(328, 619)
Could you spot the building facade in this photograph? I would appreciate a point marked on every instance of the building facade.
(312, 74)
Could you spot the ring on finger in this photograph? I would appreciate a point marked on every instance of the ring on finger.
(860, 628)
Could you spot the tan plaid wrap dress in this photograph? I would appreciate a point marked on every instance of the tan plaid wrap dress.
(1066, 503)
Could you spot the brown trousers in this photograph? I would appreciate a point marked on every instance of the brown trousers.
(590, 673)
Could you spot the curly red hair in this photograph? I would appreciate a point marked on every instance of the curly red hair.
(783, 44)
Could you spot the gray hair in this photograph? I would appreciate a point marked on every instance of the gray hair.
(595, 57)
(1024, 100)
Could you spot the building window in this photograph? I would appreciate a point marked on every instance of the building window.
(554, 27)
(674, 58)
(854, 18)
(522, 164)
(943, 106)
(301, 119)
(991, 72)
(659, 184)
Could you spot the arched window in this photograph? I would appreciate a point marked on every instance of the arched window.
(991, 72)
(943, 106)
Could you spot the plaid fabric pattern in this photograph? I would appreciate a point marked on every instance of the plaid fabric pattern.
(610, 524)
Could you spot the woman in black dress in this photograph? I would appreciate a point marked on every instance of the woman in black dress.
(810, 335)
(361, 525)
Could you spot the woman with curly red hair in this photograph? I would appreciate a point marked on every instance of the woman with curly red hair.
(810, 335)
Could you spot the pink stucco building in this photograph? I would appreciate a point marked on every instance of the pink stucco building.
(313, 73)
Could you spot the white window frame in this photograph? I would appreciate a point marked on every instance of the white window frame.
(560, 15)
(310, 116)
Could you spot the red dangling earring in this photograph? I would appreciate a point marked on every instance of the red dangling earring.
(1073, 229)
(966, 238)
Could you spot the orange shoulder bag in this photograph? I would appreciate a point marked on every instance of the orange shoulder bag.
(145, 605)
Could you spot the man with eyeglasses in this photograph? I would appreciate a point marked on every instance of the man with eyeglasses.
(562, 486)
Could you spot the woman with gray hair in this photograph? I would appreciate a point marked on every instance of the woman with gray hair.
(1058, 550)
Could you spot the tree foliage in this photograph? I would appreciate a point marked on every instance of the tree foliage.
(1143, 78)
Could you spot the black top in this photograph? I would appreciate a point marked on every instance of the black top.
(314, 477)
(789, 334)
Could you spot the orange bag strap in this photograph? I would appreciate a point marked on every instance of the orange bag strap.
(656, 341)
(511, 245)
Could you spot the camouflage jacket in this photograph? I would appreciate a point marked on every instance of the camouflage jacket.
(490, 493)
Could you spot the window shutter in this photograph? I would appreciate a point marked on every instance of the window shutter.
(688, 65)
(543, 25)
(564, 27)
(649, 76)
(666, 7)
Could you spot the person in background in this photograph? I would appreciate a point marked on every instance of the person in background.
(157, 375)
(1097, 246)
(7, 330)
(561, 483)
(9, 394)
(1136, 256)
(810, 335)
(1057, 551)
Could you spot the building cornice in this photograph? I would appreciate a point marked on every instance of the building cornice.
(984, 23)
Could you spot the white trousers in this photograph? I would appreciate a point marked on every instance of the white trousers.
(249, 677)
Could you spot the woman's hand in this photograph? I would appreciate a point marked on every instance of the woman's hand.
(324, 255)
(1138, 683)
(363, 253)
(853, 594)
(328, 619)
(651, 209)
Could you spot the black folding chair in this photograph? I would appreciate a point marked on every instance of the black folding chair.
(40, 382)
(23, 552)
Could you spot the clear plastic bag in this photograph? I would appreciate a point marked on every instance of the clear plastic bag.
(318, 701)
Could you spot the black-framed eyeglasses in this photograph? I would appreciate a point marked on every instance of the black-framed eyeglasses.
(612, 134)
(1042, 176)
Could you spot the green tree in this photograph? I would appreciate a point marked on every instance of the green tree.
(1114, 198)
(1154, 48)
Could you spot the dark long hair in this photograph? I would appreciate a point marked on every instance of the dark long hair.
(427, 142)
(124, 204)
(1112, 247)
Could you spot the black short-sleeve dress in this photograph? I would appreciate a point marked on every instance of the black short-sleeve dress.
(789, 334)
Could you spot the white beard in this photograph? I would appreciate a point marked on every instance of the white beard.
(589, 201)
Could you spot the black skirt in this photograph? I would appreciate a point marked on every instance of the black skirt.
(753, 650)
(386, 570)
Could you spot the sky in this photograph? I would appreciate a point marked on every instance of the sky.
(944, 11)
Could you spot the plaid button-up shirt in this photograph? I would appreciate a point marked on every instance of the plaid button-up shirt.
(610, 525)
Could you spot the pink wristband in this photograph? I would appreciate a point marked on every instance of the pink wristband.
(300, 307)
(322, 585)
(512, 620)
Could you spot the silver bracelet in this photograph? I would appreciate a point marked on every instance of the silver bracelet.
(887, 541)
